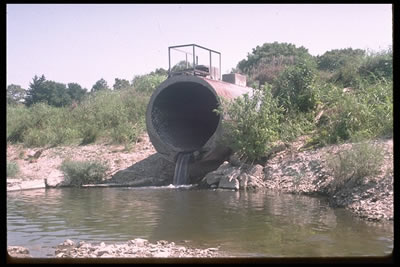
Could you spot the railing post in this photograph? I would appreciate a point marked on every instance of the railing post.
(169, 61)
(194, 58)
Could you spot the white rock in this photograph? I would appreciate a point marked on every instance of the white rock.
(138, 242)
(161, 254)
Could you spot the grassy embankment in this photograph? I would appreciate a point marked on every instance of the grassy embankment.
(349, 104)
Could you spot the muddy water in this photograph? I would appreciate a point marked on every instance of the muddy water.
(261, 224)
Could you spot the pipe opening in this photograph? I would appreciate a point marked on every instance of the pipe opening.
(182, 115)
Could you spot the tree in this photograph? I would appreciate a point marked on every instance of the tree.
(33, 94)
(266, 62)
(56, 94)
(378, 65)
(181, 65)
(50, 92)
(294, 89)
(334, 59)
(15, 94)
(76, 92)
(121, 84)
(160, 71)
(147, 83)
(100, 85)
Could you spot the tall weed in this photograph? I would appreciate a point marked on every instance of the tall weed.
(78, 173)
(353, 165)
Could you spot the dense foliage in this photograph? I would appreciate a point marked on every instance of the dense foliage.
(266, 62)
(252, 123)
(115, 115)
(341, 95)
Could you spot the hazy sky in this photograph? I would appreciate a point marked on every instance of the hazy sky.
(85, 42)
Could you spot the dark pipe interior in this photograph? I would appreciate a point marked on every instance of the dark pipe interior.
(182, 114)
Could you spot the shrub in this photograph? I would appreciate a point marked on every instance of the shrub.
(83, 172)
(147, 83)
(353, 165)
(294, 88)
(348, 75)
(378, 65)
(364, 113)
(118, 116)
(12, 168)
(18, 121)
(251, 123)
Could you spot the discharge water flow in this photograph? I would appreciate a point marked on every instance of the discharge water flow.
(181, 168)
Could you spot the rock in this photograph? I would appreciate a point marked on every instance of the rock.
(278, 147)
(228, 183)
(60, 255)
(214, 177)
(135, 248)
(243, 178)
(234, 160)
(24, 185)
(18, 251)
(103, 251)
(54, 179)
(106, 256)
(162, 254)
(66, 244)
(138, 242)
(83, 244)
(255, 182)
(256, 170)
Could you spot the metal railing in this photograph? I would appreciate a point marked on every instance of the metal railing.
(195, 68)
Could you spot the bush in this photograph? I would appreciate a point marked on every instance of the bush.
(353, 165)
(378, 65)
(251, 123)
(39, 125)
(83, 172)
(12, 168)
(18, 121)
(118, 115)
(348, 75)
(358, 115)
(294, 88)
(147, 83)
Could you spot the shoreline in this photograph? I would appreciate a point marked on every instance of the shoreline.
(291, 169)
(136, 248)
(371, 199)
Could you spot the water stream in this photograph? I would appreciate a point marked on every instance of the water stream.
(246, 224)
(181, 168)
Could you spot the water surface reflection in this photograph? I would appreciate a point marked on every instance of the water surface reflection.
(241, 223)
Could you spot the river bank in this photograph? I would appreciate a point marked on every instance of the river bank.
(290, 169)
(136, 248)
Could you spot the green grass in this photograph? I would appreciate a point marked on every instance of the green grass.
(115, 116)
(12, 168)
(353, 165)
(78, 173)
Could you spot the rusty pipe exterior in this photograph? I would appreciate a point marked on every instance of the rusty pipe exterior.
(180, 116)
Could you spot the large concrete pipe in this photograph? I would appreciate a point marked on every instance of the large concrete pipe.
(180, 116)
